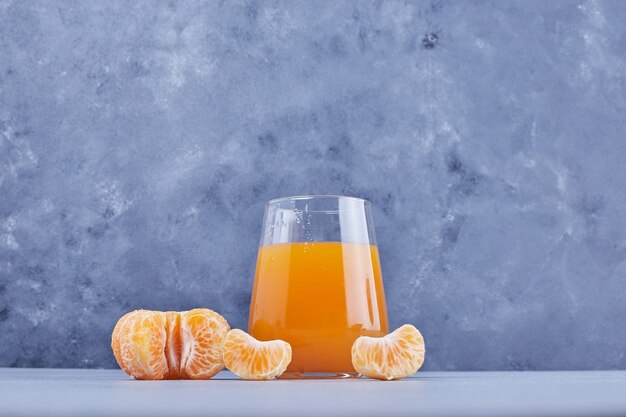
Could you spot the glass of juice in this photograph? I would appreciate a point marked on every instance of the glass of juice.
(318, 283)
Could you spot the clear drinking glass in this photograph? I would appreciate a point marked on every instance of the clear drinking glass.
(318, 283)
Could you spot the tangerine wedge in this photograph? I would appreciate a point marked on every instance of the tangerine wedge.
(115, 338)
(138, 343)
(395, 356)
(252, 359)
(202, 334)
(173, 345)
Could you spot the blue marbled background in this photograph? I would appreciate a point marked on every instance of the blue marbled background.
(139, 141)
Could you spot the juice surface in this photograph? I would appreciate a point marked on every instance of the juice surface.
(319, 297)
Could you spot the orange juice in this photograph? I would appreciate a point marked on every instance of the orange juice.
(319, 297)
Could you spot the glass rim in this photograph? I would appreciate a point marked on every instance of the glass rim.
(316, 196)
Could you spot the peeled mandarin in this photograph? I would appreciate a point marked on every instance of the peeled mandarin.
(394, 356)
(252, 359)
(172, 345)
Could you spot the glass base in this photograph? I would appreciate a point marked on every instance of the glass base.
(319, 375)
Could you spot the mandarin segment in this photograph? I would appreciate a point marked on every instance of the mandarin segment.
(142, 340)
(252, 359)
(173, 345)
(397, 355)
(202, 335)
(115, 339)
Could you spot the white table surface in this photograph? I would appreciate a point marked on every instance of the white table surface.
(76, 392)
